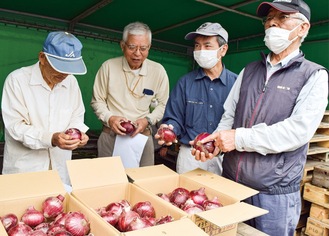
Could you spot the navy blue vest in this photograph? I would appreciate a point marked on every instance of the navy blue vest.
(273, 173)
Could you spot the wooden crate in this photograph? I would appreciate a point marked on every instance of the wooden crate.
(308, 170)
(315, 227)
(320, 213)
(320, 176)
(316, 195)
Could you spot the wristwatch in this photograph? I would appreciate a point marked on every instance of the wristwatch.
(148, 120)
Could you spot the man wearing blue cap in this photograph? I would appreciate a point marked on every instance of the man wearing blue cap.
(271, 113)
(39, 103)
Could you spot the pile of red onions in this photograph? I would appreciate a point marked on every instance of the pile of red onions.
(50, 220)
(125, 217)
(192, 202)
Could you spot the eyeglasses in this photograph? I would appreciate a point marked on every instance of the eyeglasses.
(281, 18)
(134, 48)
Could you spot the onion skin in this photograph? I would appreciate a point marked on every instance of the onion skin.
(164, 219)
(74, 133)
(20, 229)
(198, 196)
(32, 217)
(164, 196)
(129, 126)
(38, 232)
(144, 209)
(167, 135)
(179, 196)
(53, 206)
(207, 147)
(77, 224)
(125, 219)
(9, 221)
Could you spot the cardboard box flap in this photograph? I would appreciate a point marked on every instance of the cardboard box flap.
(25, 185)
(149, 171)
(231, 214)
(178, 227)
(221, 184)
(96, 172)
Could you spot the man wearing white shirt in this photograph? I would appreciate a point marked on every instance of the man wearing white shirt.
(271, 114)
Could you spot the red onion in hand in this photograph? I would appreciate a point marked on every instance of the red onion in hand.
(32, 217)
(74, 133)
(53, 206)
(167, 135)
(129, 126)
(77, 224)
(207, 147)
(144, 209)
(9, 221)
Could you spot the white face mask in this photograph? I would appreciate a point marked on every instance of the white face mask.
(277, 39)
(206, 59)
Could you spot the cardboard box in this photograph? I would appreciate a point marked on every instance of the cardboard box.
(19, 191)
(100, 181)
(221, 221)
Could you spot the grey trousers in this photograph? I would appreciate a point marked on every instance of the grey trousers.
(105, 146)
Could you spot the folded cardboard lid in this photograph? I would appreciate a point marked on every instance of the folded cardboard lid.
(231, 214)
(24, 185)
(179, 227)
(96, 172)
(221, 184)
(149, 171)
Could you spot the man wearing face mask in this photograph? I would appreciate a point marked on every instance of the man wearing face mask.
(195, 104)
(271, 113)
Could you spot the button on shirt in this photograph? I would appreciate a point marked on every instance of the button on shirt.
(32, 112)
(195, 104)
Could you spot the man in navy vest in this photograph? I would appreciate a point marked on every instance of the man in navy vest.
(271, 113)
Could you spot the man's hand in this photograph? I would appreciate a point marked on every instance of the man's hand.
(114, 124)
(65, 141)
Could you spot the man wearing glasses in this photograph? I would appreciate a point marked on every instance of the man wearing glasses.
(124, 88)
(271, 113)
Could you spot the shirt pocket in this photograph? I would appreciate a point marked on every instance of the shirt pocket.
(195, 113)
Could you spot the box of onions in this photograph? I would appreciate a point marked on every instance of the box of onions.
(37, 204)
(212, 202)
(101, 184)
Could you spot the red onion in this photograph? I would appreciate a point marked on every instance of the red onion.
(74, 133)
(164, 196)
(144, 209)
(77, 224)
(62, 233)
(125, 204)
(20, 229)
(43, 227)
(152, 220)
(32, 217)
(207, 147)
(138, 223)
(129, 126)
(167, 135)
(211, 204)
(53, 206)
(9, 221)
(60, 219)
(38, 232)
(198, 196)
(164, 219)
(125, 219)
(191, 208)
(110, 217)
(115, 207)
(179, 196)
(53, 228)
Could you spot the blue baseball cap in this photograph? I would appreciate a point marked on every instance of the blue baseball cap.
(63, 51)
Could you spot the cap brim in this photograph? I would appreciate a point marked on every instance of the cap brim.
(264, 8)
(192, 35)
(74, 67)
